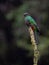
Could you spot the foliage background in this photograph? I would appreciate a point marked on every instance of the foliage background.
(15, 44)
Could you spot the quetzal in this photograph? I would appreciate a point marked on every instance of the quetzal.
(29, 21)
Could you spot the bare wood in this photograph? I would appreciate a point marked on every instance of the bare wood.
(35, 48)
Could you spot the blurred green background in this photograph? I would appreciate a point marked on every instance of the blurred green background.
(15, 44)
